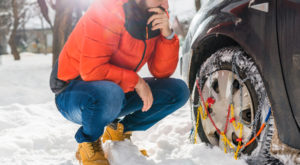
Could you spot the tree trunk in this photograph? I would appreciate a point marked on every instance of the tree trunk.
(12, 44)
(198, 4)
(62, 26)
(5, 7)
(12, 38)
(44, 10)
(3, 42)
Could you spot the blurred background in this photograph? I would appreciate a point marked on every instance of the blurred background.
(32, 34)
(43, 26)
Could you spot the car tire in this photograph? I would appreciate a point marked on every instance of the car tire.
(217, 69)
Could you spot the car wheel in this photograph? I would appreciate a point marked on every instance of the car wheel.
(230, 77)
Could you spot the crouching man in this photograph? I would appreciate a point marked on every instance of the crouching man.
(95, 79)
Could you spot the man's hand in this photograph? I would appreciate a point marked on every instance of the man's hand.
(144, 91)
(160, 20)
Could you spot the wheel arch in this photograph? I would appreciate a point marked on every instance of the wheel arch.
(204, 48)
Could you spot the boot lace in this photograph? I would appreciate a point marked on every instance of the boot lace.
(96, 147)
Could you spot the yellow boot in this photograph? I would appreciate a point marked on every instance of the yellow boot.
(115, 132)
(91, 153)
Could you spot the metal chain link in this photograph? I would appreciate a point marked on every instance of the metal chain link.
(192, 134)
(242, 82)
(254, 123)
(258, 112)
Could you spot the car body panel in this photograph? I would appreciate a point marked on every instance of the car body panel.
(255, 31)
(288, 34)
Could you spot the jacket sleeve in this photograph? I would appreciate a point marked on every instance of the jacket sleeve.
(102, 31)
(163, 62)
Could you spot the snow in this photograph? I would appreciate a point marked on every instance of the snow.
(28, 78)
(33, 131)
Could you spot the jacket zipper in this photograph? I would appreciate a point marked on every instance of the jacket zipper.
(145, 43)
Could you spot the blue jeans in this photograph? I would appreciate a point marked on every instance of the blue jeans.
(96, 104)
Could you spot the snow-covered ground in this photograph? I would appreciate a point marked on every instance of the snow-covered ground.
(32, 131)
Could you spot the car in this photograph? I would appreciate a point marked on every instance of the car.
(241, 61)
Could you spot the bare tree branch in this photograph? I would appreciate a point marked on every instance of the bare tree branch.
(45, 11)
(12, 38)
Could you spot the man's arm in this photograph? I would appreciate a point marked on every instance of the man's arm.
(102, 30)
(163, 61)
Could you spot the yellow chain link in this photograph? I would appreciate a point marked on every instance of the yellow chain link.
(197, 125)
(225, 140)
(200, 109)
(236, 125)
(203, 117)
(240, 143)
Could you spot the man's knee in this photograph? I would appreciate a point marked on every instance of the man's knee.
(175, 89)
(180, 90)
(112, 91)
(106, 95)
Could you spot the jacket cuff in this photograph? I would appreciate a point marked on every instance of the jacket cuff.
(165, 40)
(171, 36)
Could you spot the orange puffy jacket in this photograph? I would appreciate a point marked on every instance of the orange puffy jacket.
(112, 41)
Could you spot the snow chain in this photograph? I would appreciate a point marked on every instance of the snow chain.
(238, 125)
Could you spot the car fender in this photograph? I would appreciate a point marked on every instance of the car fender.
(255, 32)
